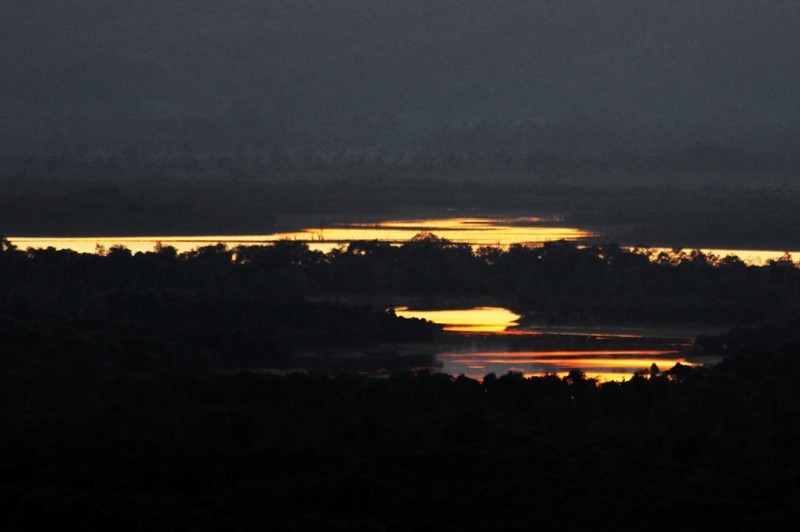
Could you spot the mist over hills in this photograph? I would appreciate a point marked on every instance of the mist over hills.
(586, 78)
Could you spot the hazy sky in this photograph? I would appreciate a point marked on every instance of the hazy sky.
(718, 64)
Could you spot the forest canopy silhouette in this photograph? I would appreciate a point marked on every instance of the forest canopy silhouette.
(132, 393)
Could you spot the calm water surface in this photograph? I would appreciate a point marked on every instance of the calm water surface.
(476, 231)
(488, 340)
(476, 320)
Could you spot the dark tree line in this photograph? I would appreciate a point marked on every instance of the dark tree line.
(131, 445)
(198, 306)
(562, 281)
(555, 282)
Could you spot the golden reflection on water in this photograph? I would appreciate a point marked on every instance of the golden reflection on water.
(138, 244)
(603, 365)
(500, 232)
(473, 231)
(476, 320)
(755, 257)
(565, 355)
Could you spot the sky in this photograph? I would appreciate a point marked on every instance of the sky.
(720, 69)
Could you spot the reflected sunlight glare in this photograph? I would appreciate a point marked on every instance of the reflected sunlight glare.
(476, 320)
(499, 232)
(474, 231)
(602, 365)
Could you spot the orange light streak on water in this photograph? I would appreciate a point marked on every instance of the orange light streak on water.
(474, 231)
(513, 356)
(603, 365)
(755, 257)
(476, 320)
(137, 244)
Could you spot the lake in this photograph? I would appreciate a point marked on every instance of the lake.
(484, 340)
(475, 231)
(486, 231)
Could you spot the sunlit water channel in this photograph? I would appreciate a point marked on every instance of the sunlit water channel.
(490, 340)
(475, 231)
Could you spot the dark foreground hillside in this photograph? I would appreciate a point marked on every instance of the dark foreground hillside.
(100, 445)
(133, 396)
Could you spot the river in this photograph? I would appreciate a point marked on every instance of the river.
(475, 231)
(484, 340)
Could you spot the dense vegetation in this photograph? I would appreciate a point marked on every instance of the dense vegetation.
(286, 306)
(271, 306)
(200, 305)
(555, 282)
(130, 398)
(135, 447)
